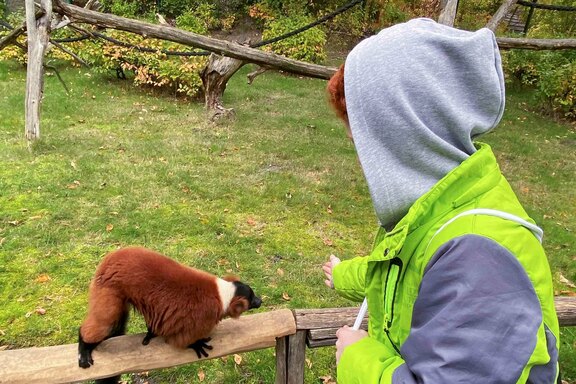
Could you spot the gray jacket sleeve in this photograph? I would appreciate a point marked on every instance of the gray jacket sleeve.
(475, 319)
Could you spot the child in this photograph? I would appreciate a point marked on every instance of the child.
(458, 286)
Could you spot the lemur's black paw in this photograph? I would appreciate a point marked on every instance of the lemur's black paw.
(200, 346)
(149, 336)
(85, 360)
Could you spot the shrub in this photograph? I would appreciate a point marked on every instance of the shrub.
(551, 73)
(180, 74)
(306, 46)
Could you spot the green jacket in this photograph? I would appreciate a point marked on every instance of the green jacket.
(471, 303)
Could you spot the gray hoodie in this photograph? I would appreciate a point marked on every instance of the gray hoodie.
(417, 94)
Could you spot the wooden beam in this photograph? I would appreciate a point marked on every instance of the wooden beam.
(500, 14)
(566, 310)
(535, 44)
(59, 364)
(322, 324)
(221, 47)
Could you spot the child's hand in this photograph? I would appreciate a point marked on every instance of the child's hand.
(347, 336)
(327, 268)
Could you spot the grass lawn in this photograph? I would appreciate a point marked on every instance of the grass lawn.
(268, 196)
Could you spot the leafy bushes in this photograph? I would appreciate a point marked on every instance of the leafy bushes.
(180, 74)
(551, 73)
(305, 46)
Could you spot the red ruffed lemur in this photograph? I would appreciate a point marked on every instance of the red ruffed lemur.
(179, 303)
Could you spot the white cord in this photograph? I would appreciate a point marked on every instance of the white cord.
(361, 314)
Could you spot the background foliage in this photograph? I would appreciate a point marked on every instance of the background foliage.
(551, 73)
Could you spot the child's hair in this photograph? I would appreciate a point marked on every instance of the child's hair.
(336, 96)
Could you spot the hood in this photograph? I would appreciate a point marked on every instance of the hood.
(417, 94)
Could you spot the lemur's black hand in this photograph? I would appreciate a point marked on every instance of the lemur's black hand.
(200, 346)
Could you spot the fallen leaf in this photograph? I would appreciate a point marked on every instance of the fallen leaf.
(109, 227)
(40, 311)
(280, 272)
(74, 185)
(201, 375)
(327, 380)
(309, 363)
(327, 242)
(565, 281)
(251, 222)
(43, 278)
(286, 296)
(237, 359)
(73, 164)
(329, 209)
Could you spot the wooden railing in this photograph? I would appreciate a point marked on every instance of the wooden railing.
(289, 331)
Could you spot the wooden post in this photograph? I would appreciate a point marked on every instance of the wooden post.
(529, 18)
(38, 36)
(282, 360)
(448, 12)
(296, 357)
(290, 358)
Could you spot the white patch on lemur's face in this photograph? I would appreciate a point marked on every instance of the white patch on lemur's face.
(226, 290)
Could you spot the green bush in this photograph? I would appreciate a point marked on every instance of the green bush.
(199, 20)
(180, 74)
(551, 73)
(306, 46)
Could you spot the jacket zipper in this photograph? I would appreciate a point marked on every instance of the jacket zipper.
(391, 285)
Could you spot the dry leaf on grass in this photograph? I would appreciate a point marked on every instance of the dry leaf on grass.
(237, 359)
(565, 281)
(43, 278)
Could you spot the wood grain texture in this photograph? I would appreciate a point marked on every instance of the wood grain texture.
(59, 364)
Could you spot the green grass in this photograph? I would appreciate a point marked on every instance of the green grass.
(268, 196)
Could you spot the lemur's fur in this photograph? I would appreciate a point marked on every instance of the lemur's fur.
(179, 303)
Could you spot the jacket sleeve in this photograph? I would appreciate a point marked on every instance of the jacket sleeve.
(349, 278)
(476, 319)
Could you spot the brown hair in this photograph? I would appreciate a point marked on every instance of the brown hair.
(336, 95)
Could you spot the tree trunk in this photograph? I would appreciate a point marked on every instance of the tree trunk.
(215, 76)
(448, 12)
(38, 36)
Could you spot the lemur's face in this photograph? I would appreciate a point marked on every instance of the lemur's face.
(244, 291)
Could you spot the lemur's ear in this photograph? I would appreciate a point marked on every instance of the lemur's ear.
(231, 278)
(237, 306)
